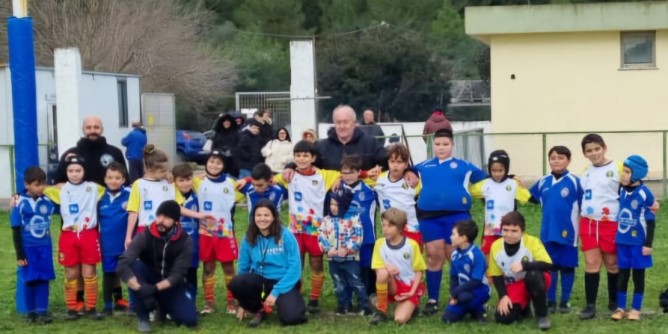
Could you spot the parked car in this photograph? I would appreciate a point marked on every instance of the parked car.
(189, 146)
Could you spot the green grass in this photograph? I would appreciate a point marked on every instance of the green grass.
(326, 321)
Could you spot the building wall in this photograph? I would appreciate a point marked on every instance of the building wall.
(573, 82)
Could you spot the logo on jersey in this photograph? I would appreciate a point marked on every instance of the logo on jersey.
(509, 188)
(298, 196)
(106, 159)
(361, 195)
(564, 193)
(467, 268)
(148, 205)
(453, 165)
(490, 204)
(407, 255)
(208, 206)
(164, 188)
(43, 209)
(38, 227)
(386, 204)
(226, 191)
(609, 174)
(464, 200)
(314, 182)
(74, 208)
(564, 234)
(124, 205)
(634, 204)
(588, 194)
(88, 189)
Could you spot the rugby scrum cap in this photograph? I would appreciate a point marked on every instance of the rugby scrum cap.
(638, 167)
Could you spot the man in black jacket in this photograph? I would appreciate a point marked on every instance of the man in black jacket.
(345, 138)
(95, 150)
(371, 128)
(154, 268)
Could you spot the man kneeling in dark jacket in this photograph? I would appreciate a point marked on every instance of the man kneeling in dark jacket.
(154, 268)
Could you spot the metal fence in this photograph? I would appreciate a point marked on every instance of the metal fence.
(278, 102)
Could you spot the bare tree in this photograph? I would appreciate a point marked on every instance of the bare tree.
(157, 39)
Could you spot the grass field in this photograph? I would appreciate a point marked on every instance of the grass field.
(326, 322)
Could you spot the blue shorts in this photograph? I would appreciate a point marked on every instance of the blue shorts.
(440, 228)
(630, 257)
(40, 264)
(109, 263)
(562, 255)
(366, 253)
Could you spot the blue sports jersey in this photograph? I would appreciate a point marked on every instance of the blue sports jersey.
(112, 217)
(468, 264)
(364, 204)
(191, 225)
(445, 184)
(561, 201)
(275, 193)
(633, 215)
(34, 218)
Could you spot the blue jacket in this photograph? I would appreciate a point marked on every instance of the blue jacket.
(135, 142)
(280, 262)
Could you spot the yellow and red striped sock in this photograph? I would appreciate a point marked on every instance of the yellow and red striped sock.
(209, 289)
(71, 287)
(230, 297)
(316, 285)
(382, 295)
(90, 292)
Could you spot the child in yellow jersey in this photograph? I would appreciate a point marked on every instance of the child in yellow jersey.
(399, 268)
(306, 198)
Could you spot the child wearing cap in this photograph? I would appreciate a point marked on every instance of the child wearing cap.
(501, 194)
(635, 234)
(340, 238)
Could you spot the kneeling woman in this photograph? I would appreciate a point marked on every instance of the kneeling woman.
(269, 270)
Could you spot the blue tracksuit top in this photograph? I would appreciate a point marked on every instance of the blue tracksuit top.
(112, 218)
(135, 142)
(273, 261)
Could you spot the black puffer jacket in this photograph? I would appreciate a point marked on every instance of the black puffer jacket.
(171, 258)
(249, 150)
(331, 150)
(225, 139)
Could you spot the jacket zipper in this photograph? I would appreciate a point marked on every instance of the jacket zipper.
(164, 254)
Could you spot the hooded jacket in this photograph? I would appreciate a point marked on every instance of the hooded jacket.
(171, 255)
(436, 122)
(225, 139)
(135, 142)
(331, 150)
(97, 155)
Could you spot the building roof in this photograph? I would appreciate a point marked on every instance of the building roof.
(485, 21)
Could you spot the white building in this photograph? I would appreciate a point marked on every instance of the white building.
(113, 97)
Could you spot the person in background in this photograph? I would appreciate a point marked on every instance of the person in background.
(435, 122)
(278, 151)
(310, 135)
(370, 127)
(226, 137)
(249, 149)
(135, 142)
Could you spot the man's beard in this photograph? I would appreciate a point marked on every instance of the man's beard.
(92, 137)
(164, 230)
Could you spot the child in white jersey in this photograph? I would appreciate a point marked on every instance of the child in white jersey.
(501, 194)
(216, 196)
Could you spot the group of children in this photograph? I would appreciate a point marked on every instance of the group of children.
(423, 205)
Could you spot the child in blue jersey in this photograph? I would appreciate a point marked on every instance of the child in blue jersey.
(635, 234)
(340, 237)
(30, 220)
(559, 193)
(363, 205)
(444, 200)
(186, 196)
(113, 220)
(258, 186)
(469, 290)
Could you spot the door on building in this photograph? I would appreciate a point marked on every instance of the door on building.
(52, 157)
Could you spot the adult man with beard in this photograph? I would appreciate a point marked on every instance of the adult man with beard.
(154, 267)
(95, 150)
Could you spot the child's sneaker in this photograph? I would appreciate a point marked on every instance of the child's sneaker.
(108, 312)
(144, 326)
(208, 309)
(121, 305)
(313, 306)
(257, 319)
(340, 311)
(44, 319)
(618, 314)
(564, 307)
(634, 315)
(589, 312)
(366, 311)
(544, 323)
(377, 318)
(72, 315)
(231, 308)
(551, 306)
(94, 315)
(430, 308)
(31, 317)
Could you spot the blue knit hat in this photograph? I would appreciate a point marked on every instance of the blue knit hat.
(343, 197)
(638, 167)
